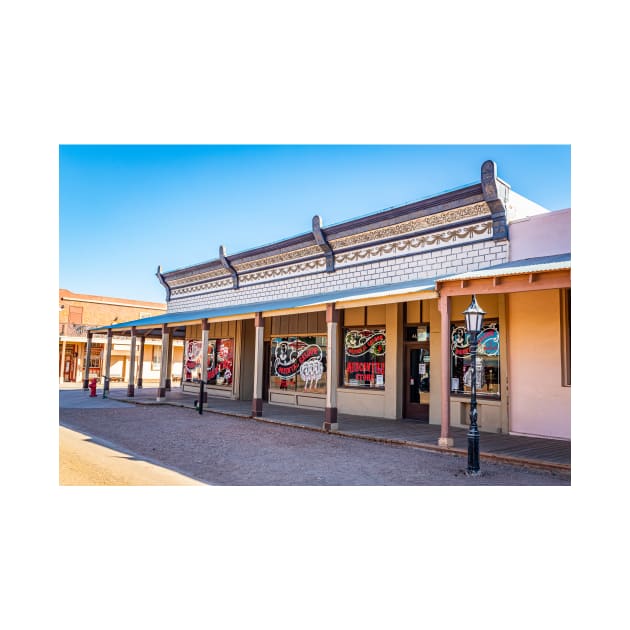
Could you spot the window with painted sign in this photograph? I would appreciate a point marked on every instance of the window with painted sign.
(220, 362)
(192, 361)
(487, 372)
(364, 358)
(220, 367)
(298, 364)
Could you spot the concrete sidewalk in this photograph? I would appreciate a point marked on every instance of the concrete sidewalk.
(542, 453)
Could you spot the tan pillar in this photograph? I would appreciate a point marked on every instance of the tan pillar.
(394, 361)
(141, 362)
(86, 363)
(259, 354)
(108, 360)
(205, 328)
(80, 363)
(132, 363)
(163, 364)
(332, 368)
(444, 305)
(169, 361)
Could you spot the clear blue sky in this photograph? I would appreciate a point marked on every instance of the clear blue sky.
(124, 210)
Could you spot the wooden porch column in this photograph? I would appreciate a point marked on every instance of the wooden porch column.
(86, 363)
(169, 361)
(205, 328)
(163, 364)
(141, 362)
(332, 368)
(108, 360)
(444, 306)
(132, 363)
(259, 354)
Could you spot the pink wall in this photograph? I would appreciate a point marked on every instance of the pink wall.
(541, 235)
(538, 404)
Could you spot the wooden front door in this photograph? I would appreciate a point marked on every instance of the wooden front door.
(417, 381)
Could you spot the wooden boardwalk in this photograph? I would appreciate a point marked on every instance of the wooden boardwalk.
(540, 452)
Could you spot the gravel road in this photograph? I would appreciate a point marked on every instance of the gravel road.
(224, 450)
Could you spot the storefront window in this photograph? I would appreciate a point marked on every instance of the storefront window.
(220, 368)
(220, 362)
(298, 363)
(488, 383)
(156, 357)
(364, 358)
(192, 361)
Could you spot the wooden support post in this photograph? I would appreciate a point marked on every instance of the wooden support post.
(141, 362)
(132, 363)
(88, 359)
(108, 361)
(332, 369)
(445, 358)
(161, 395)
(259, 353)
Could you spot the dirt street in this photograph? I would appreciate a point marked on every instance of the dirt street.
(223, 450)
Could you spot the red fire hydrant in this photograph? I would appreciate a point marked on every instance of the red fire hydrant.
(92, 386)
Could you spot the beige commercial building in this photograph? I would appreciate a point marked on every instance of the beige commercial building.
(366, 316)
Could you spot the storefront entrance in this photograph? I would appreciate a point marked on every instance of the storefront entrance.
(417, 381)
(69, 365)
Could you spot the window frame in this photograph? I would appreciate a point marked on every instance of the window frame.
(156, 350)
(565, 336)
(364, 383)
(489, 324)
(296, 383)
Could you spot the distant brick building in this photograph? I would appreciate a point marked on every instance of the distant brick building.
(79, 312)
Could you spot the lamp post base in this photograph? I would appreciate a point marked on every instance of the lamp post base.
(473, 450)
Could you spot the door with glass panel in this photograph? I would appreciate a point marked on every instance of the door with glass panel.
(417, 382)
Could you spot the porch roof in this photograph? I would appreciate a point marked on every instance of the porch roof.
(514, 267)
(375, 293)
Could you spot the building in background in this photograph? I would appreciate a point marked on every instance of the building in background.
(79, 312)
(366, 317)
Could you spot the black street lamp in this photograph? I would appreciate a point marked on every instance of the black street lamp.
(474, 321)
